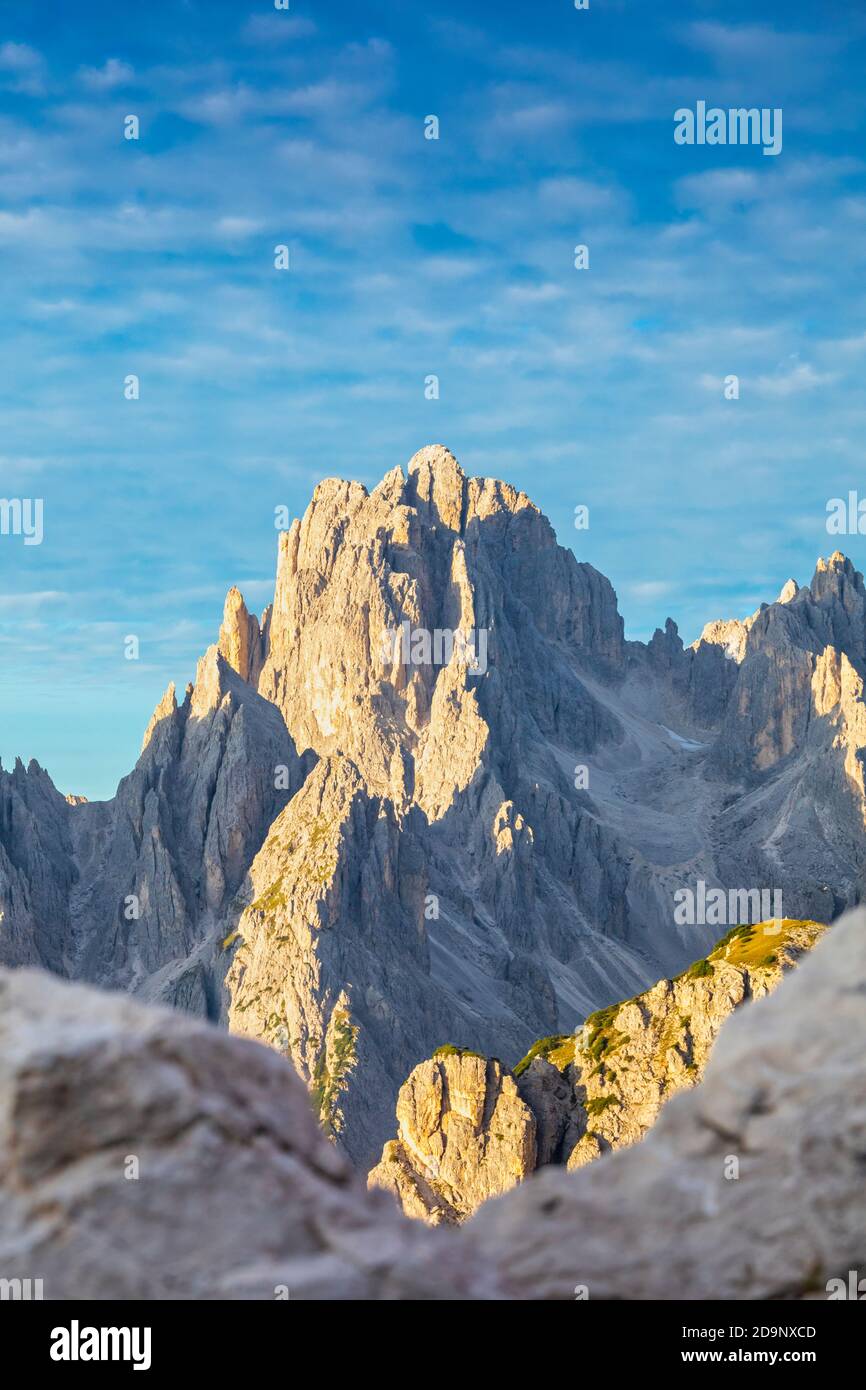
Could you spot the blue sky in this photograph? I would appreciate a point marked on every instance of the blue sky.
(409, 257)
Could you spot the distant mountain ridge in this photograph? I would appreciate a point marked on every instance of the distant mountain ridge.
(352, 858)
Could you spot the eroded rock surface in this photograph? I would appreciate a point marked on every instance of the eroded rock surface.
(146, 1155)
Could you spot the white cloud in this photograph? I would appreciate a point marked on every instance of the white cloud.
(22, 68)
(237, 226)
(270, 29)
(534, 118)
(113, 73)
(573, 195)
(799, 378)
(450, 267)
(719, 188)
(534, 294)
(29, 602)
(21, 464)
(649, 589)
(733, 45)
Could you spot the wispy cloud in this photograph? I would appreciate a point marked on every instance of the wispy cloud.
(277, 28)
(22, 68)
(792, 380)
(113, 73)
(28, 602)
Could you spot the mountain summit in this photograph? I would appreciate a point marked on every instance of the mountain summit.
(434, 795)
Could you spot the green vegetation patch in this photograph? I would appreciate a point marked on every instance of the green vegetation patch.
(332, 1067)
(599, 1104)
(321, 859)
(754, 947)
(699, 969)
(601, 1038)
(745, 945)
(449, 1050)
(558, 1049)
(272, 898)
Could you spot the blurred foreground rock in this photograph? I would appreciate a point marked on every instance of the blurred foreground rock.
(146, 1155)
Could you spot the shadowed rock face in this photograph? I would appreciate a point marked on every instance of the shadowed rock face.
(387, 854)
(146, 1155)
(36, 869)
(134, 892)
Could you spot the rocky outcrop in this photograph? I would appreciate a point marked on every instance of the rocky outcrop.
(331, 964)
(575, 1097)
(532, 896)
(442, 802)
(464, 1135)
(749, 1186)
(629, 1059)
(161, 865)
(37, 873)
(769, 716)
(145, 1155)
(240, 639)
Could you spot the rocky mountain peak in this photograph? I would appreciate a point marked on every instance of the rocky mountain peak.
(240, 637)
(837, 561)
(731, 634)
(165, 709)
(789, 591)
(437, 486)
(438, 460)
(464, 1135)
(837, 581)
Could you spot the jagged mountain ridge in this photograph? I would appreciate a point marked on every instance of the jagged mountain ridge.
(409, 789)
